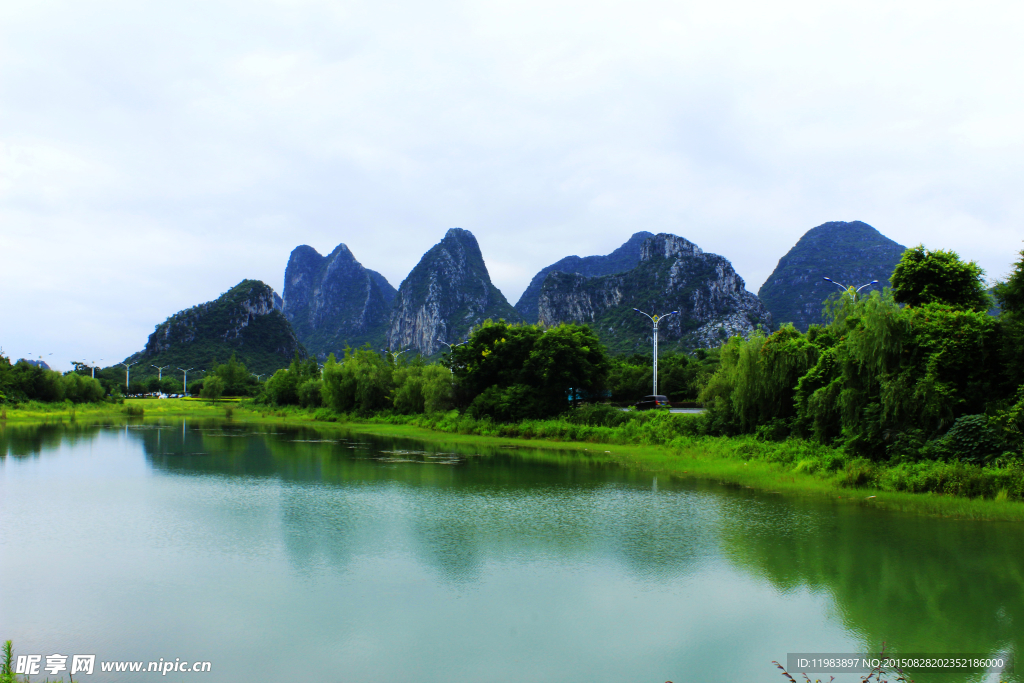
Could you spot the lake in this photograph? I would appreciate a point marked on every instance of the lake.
(286, 553)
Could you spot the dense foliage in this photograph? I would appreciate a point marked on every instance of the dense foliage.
(504, 372)
(680, 375)
(1010, 297)
(516, 372)
(924, 381)
(939, 276)
(24, 381)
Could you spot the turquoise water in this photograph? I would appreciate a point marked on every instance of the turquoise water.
(290, 554)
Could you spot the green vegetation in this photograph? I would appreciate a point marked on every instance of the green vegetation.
(24, 381)
(924, 397)
(929, 277)
(505, 372)
(1010, 297)
(915, 394)
(680, 375)
(515, 372)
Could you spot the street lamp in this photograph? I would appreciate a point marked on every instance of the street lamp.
(184, 381)
(451, 348)
(850, 290)
(160, 371)
(656, 319)
(94, 369)
(257, 376)
(393, 354)
(127, 367)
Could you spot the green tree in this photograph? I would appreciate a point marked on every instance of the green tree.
(361, 382)
(1010, 295)
(311, 393)
(238, 381)
(939, 276)
(422, 388)
(80, 388)
(514, 372)
(898, 378)
(213, 388)
(282, 388)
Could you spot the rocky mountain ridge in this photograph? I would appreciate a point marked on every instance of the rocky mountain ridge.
(672, 274)
(624, 258)
(333, 301)
(444, 296)
(851, 253)
(246, 321)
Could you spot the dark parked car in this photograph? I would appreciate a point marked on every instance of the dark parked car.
(648, 402)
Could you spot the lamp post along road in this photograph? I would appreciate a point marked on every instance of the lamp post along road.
(850, 290)
(184, 381)
(160, 371)
(127, 368)
(656, 319)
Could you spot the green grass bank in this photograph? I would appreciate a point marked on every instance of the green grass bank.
(655, 442)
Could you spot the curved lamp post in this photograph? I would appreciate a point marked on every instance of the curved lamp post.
(656, 319)
(160, 371)
(850, 290)
(450, 348)
(394, 356)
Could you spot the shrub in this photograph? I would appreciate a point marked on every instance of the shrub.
(598, 415)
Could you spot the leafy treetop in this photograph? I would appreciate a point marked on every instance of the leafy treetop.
(923, 276)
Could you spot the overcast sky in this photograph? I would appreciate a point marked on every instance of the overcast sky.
(156, 153)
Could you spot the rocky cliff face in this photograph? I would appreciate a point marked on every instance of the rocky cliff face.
(672, 274)
(333, 301)
(622, 259)
(245, 321)
(447, 293)
(851, 253)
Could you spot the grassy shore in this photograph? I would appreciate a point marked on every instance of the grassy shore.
(658, 443)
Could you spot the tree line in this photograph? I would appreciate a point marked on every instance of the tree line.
(918, 372)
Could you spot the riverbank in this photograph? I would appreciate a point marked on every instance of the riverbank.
(657, 443)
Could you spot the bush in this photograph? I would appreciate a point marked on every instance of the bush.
(599, 415)
(973, 440)
(310, 393)
(213, 387)
(81, 389)
(361, 382)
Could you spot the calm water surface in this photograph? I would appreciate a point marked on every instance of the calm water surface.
(290, 554)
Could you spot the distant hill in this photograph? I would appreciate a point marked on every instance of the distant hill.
(672, 274)
(447, 293)
(622, 259)
(333, 301)
(245, 320)
(851, 253)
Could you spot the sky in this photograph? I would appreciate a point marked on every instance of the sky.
(154, 154)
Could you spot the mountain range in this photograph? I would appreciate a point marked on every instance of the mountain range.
(673, 275)
(622, 259)
(333, 301)
(246, 321)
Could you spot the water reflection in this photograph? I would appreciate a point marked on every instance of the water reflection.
(922, 585)
(455, 508)
(340, 502)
